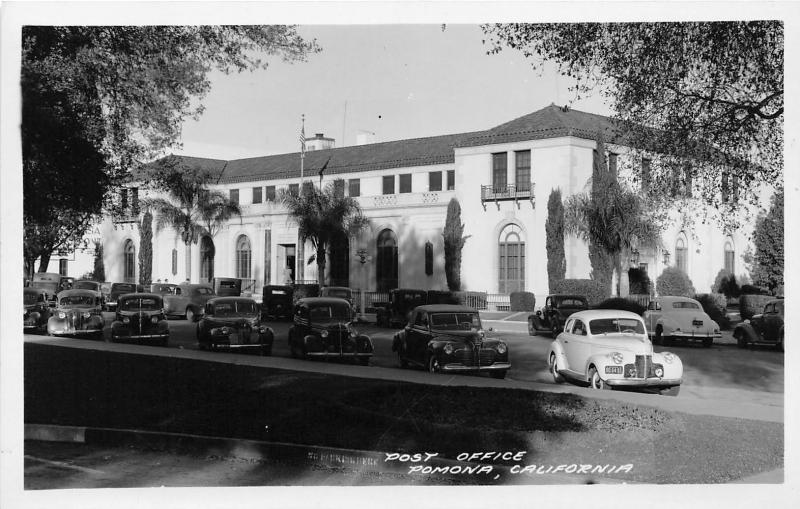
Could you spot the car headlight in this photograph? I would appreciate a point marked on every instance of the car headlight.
(87, 314)
(482, 333)
(502, 348)
(324, 334)
(34, 315)
(668, 357)
(226, 330)
(262, 330)
(448, 349)
(126, 320)
(154, 319)
(61, 315)
(659, 372)
(617, 358)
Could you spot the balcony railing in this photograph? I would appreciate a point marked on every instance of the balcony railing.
(509, 192)
(406, 199)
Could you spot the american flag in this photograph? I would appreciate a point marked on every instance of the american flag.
(303, 140)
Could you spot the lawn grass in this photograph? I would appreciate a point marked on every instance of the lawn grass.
(102, 389)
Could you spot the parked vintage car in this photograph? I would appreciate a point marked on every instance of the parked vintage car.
(402, 301)
(163, 288)
(114, 293)
(340, 292)
(323, 328)
(277, 301)
(609, 348)
(66, 283)
(188, 301)
(78, 313)
(37, 310)
(766, 328)
(234, 323)
(553, 315)
(450, 338)
(87, 284)
(670, 318)
(50, 282)
(140, 318)
(227, 286)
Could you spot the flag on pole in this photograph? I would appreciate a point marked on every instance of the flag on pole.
(303, 140)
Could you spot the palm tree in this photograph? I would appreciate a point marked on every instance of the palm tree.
(192, 210)
(611, 218)
(322, 215)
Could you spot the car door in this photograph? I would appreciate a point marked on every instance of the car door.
(770, 330)
(417, 335)
(579, 346)
(652, 315)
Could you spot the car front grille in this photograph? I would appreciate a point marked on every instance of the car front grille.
(475, 356)
(642, 368)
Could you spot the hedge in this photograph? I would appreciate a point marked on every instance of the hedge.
(673, 281)
(753, 290)
(714, 304)
(621, 303)
(522, 301)
(750, 305)
(594, 291)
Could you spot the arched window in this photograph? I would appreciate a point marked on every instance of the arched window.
(243, 257)
(386, 264)
(730, 255)
(206, 259)
(129, 262)
(511, 260)
(682, 253)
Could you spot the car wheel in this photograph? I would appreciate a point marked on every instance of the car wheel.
(707, 342)
(557, 377)
(595, 382)
(164, 342)
(190, 314)
(433, 364)
(499, 374)
(741, 342)
(531, 327)
(670, 391)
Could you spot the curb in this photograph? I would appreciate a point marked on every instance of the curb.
(436, 469)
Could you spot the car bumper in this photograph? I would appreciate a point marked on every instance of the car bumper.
(74, 332)
(497, 366)
(643, 382)
(694, 335)
(339, 354)
(146, 337)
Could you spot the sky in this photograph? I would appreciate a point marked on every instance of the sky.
(396, 81)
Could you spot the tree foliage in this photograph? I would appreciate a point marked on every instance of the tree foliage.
(554, 244)
(766, 262)
(99, 272)
(705, 95)
(674, 282)
(146, 249)
(99, 100)
(322, 215)
(454, 241)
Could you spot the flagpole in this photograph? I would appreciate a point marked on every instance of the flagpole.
(302, 148)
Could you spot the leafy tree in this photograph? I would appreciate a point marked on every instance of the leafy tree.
(554, 231)
(725, 283)
(673, 281)
(611, 219)
(766, 262)
(146, 249)
(454, 241)
(98, 100)
(191, 209)
(322, 215)
(99, 267)
(705, 94)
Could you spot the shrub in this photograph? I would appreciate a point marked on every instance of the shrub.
(754, 290)
(523, 301)
(454, 240)
(554, 233)
(639, 281)
(714, 304)
(725, 283)
(750, 305)
(674, 281)
(595, 291)
(621, 303)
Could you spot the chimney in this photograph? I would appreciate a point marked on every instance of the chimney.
(319, 142)
(365, 137)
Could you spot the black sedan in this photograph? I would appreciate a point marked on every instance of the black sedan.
(234, 323)
(449, 338)
(323, 329)
(140, 318)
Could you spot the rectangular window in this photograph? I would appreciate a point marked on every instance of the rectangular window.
(523, 170)
(338, 188)
(729, 261)
(405, 183)
(123, 200)
(257, 194)
(235, 195)
(135, 201)
(451, 180)
(388, 184)
(62, 266)
(645, 174)
(612, 164)
(294, 189)
(435, 181)
(270, 193)
(308, 186)
(499, 172)
(355, 187)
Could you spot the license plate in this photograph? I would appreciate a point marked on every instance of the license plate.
(613, 370)
(697, 323)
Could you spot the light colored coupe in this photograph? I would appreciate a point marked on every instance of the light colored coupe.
(609, 348)
(671, 318)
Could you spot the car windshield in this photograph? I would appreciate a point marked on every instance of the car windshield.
(685, 304)
(572, 303)
(46, 285)
(140, 304)
(779, 307)
(329, 312)
(616, 325)
(86, 285)
(203, 291)
(30, 298)
(123, 288)
(234, 308)
(455, 321)
(77, 300)
(342, 294)
(412, 297)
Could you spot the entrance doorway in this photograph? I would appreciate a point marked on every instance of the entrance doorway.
(287, 261)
